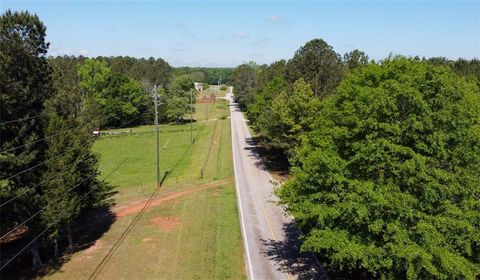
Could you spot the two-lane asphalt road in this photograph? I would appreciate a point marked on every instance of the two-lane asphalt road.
(269, 236)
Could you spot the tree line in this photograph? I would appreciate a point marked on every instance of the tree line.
(122, 87)
(384, 158)
(210, 75)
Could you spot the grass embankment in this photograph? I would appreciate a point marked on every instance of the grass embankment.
(191, 230)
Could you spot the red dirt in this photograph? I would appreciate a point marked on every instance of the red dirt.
(165, 223)
(137, 206)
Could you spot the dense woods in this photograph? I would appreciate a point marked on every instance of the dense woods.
(384, 158)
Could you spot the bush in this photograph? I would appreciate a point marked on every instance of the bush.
(223, 87)
(388, 180)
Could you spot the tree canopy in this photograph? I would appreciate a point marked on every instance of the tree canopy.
(319, 65)
(122, 98)
(25, 85)
(244, 81)
(387, 180)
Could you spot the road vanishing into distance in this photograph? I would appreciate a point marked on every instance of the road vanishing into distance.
(269, 236)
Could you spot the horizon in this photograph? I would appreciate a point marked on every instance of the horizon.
(227, 34)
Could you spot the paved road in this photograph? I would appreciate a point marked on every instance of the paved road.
(269, 236)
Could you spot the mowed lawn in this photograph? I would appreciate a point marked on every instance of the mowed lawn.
(191, 229)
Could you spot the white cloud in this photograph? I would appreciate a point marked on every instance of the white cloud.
(276, 18)
(240, 35)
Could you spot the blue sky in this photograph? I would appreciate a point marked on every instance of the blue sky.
(227, 33)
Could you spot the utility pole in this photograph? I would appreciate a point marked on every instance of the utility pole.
(155, 100)
(191, 116)
(206, 111)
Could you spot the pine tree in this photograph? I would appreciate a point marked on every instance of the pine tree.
(71, 184)
(25, 84)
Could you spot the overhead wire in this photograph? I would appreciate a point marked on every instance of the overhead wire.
(51, 225)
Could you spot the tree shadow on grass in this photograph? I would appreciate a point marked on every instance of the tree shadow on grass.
(87, 230)
(286, 253)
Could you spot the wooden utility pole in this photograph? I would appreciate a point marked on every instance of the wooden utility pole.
(155, 100)
(191, 116)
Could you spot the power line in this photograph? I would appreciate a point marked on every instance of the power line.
(31, 217)
(32, 188)
(33, 142)
(48, 137)
(39, 211)
(42, 163)
(45, 230)
(131, 225)
(58, 155)
(23, 119)
(34, 215)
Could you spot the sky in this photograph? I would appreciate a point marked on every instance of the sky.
(228, 33)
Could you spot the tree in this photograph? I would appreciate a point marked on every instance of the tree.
(176, 98)
(290, 116)
(244, 81)
(319, 65)
(212, 76)
(387, 181)
(121, 98)
(259, 112)
(355, 59)
(70, 184)
(25, 84)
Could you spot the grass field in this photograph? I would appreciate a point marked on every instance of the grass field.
(214, 89)
(191, 229)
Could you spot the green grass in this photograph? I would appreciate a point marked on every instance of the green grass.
(137, 175)
(206, 242)
(214, 89)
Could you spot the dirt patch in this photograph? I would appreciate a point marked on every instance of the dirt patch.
(147, 239)
(122, 211)
(165, 223)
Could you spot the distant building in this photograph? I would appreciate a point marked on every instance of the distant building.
(198, 86)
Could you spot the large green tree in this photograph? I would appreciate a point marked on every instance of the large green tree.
(25, 84)
(355, 59)
(387, 182)
(319, 65)
(71, 185)
(122, 98)
(176, 98)
(290, 116)
(244, 82)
